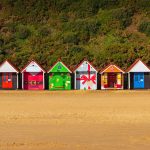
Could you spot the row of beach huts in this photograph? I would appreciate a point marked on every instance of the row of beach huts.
(84, 77)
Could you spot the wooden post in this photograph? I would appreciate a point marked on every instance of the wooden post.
(17, 80)
(23, 80)
(75, 81)
(96, 80)
(43, 81)
(122, 80)
(129, 86)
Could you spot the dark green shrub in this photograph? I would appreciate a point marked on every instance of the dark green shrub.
(23, 32)
(64, 18)
(124, 15)
(44, 31)
(1, 42)
(70, 37)
(145, 28)
(93, 26)
(76, 49)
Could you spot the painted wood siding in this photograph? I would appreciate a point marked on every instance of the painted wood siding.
(14, 82)
(0, 80)
(81, 84)
(147, 80)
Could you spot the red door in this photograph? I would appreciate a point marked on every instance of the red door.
(112, 80)
(33, 81)
(7, 80)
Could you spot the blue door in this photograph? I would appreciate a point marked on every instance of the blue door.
(139, 80)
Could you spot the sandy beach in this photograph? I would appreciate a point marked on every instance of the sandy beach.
(75, 120)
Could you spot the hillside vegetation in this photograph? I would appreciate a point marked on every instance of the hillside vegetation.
(102, 31)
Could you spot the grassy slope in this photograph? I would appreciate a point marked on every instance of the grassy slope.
(99, 30)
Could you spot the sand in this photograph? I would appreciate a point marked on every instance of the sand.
(75, 120)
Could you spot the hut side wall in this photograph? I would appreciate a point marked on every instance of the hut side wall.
(98, 81)
(46, 78)
(0, 81)
(20, 81)
(147, 80)
(131, 80)
(125, 81)
(14, 80)
(72, 81)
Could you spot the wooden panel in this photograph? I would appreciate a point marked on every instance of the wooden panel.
(112, 69)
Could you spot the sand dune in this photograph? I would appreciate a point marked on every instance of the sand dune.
(75, 120)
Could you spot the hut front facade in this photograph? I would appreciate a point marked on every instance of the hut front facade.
(112, 77)
(33, 76)
(8, 76)
(85, 76)
(59, 77)
(138, 75)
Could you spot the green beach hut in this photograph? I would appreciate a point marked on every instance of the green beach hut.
(59, 77)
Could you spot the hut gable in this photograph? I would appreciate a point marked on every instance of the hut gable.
(33, 67)
(112, 68)
(84, 66)
(59, 67)
(6, 66)
(138, 66)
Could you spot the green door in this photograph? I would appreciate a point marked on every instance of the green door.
(67, 80)
(59, 84)
(59, 81)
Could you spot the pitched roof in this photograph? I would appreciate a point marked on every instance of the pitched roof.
(138, 66)
(118, 69)
(11, 69)
(30, 63)
(82, 63)
(59, 61)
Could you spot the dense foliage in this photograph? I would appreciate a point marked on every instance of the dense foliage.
(102, 31)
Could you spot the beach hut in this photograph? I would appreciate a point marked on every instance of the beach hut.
(85, 76)
(138, 75)
(112, 77)
(59, 77)
(33, 76)
(8, 76)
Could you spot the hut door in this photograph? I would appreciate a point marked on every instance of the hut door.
(7, 80)
(59, 83)
(139, 80)
(112, 79)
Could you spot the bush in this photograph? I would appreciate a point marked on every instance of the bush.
(76, 49)
(70, 37)
(44, 31)
(145, 28)
(1, 42)
(64, 18)
(83, 28)
(124, 15)
(23, 32)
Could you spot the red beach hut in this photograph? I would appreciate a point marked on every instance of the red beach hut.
(33, 76)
